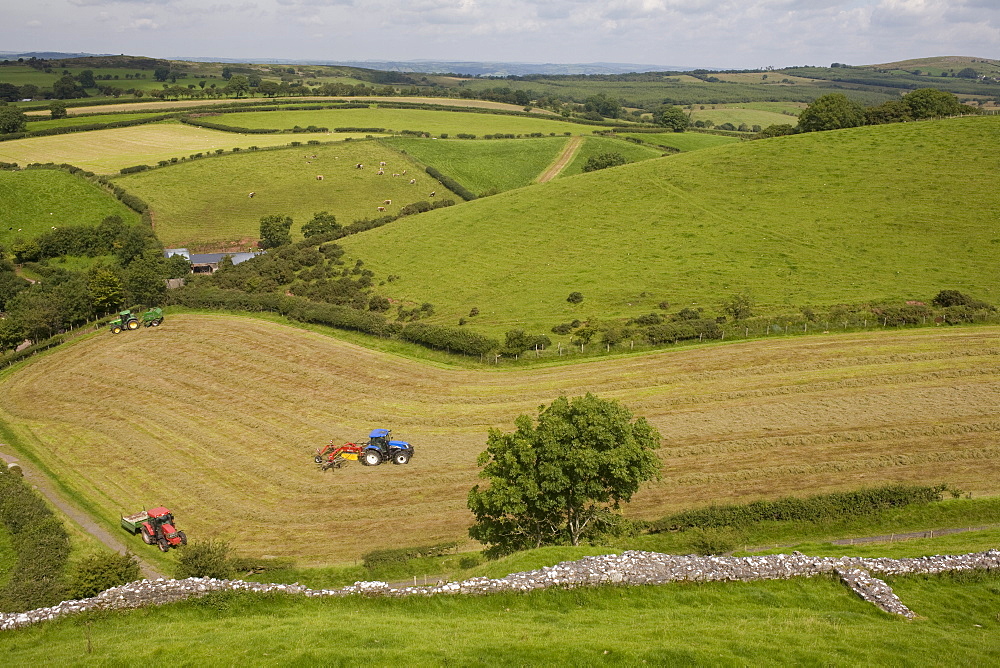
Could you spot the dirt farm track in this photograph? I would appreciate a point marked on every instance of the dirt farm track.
(217, 417)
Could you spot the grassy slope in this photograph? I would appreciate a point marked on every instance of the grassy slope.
(814, 219)
(795, 622)
(684, 141)
(107, 151)
(285, 183)
(37, 199)
(488, 165)
(424, 120)
(231, 409)
(596, 145)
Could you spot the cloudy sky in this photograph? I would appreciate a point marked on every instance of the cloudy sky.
(702, 33)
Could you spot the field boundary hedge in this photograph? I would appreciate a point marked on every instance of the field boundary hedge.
(40, 541)
(816, 508)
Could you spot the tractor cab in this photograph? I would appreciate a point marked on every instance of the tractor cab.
(380, 439)
(160, 516)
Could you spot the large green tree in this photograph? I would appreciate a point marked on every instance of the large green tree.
(12, 119)
(553, 482)
(321, 223)
(831, 112)
(671, 117)
(932, 103)
(239, 86)
(275, 230)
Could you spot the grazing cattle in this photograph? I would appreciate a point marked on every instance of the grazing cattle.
(395, 174)
(382, 164)
(388, 201)
(413, 181)
(251, 195)
(404, 171)
(319, 177)
(433, 192)
(381, 172)
(359, 166)
(381, 208)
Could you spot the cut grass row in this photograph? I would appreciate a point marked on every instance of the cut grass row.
(810, 220)
(230, 411)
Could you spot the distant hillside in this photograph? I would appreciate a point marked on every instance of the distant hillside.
(898, 211)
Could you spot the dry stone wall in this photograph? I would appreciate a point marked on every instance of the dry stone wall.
(630, 568)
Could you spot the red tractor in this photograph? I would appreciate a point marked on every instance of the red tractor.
(156, 526)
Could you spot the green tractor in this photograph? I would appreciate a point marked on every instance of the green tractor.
(125, 320)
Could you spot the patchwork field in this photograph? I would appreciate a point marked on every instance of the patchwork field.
(205, 201)
(219, 416)
(71, 121)
(422, 120)
(809, 220)
(493, 165)
(107, 151)
(33, 201)
(596, 145)
(683, 141)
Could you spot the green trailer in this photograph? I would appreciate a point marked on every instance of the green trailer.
(153, 317)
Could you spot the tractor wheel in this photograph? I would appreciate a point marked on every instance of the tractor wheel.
(400, 457)
(133, 324)
(184, 538)
(146, 538)
(371, 458)
(116, 330)
(318, 459)
(164, 545)
(156, 323)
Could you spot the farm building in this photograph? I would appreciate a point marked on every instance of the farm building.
(206, 263)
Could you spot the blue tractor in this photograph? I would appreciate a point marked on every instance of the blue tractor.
(380, 449)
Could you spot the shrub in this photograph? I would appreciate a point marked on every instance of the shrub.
(712, 541)
(205, 559)
(603, 161)
(575, 298)
(102, 571)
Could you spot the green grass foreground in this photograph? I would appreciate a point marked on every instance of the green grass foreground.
(803, 621)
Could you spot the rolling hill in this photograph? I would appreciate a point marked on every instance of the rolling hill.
(899, 211)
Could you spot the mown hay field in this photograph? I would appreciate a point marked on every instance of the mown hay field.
(107, 151)
(73, 121)
(890, 212)
(218, 417)
(422, 120)
(206, 201)
(33, 201)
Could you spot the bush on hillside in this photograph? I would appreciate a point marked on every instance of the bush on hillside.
(102, 571)
(205, 559)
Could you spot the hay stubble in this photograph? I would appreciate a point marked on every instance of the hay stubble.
(217, 417)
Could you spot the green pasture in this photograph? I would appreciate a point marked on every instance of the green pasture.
(396, 120)
(815, 219)
(737, 116)
(35, 200)
(802, 621)
(683, 141)
(206, 201)
(107, 151)
(596, 145)
(484, 166)
(73, 121)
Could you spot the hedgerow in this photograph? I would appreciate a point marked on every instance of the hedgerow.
(41, 544)
(452, 185)
(816, 508)
(401, 554)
